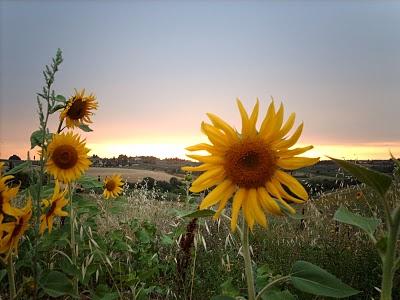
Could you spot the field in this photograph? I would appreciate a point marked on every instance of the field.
(131, 175)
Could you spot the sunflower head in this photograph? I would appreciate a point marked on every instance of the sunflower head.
(53, 207)
(250, 166)
(112, 186)
(13, 231)
(67, 157)
(6, 195)
(79, 109)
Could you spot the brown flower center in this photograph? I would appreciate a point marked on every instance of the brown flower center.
(250, 163)
(65, 156)
(110, 185)
(77, 109)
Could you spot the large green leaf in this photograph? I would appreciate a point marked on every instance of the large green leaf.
(204, 213)
(89, 182)
(278, 295)
(56, 284)
(378, 181)
(369, 225)
(312, 279)
(19, 168)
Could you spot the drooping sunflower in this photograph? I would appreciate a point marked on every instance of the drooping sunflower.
(79, 109)
(54, 206)
(67, 157)
(13, 231)
(250, 166)
(112, 186)
(6, 195)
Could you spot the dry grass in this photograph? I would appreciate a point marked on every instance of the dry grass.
(131, 175)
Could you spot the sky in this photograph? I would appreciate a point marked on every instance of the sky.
(157, 68)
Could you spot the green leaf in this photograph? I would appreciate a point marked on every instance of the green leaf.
(166, 240)
(204, 213)
(312, 279)
(60, 98)
(36, 138)
(278, 295)
(378, 181)
(85, 128)
(19, 168)
(89, 182)
(56, 284)
(57, 107)
(228, 289)
(369, 225)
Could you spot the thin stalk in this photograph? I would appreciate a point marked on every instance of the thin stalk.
(11, 278)
(272, 283)
(72, 230)
(389, 258)
(247, 262)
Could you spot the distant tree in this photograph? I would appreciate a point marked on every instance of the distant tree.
(11, 161)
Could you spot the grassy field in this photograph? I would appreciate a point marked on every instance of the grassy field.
(131, 175)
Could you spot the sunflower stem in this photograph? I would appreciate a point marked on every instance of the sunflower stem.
(389, 257)
(72, 229)
(247, 262)
(11, 278)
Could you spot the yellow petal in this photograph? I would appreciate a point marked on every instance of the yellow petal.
(253, 119)
(245, 118)
(292, 183)
(215, 136)
(203, 147)
(284, 144)
(248, 211)
(227, 195)
(256, 209)
(221, 124)
(210, 174)
(215, 195)
(207, 184)
(293, 152)
(212, 159)
(286, 128)
(267, 202)
(273, 191)
(236, 204)
(267, 123)
(203, 167)
(283, 193)
(294, 163)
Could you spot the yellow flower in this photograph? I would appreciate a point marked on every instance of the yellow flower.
(79, 109)
(67, 157)
(11, 232)
(6, 194)
(55, 204)
(112, 186)
(249, 165)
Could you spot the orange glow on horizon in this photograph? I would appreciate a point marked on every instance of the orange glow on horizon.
(169, 147)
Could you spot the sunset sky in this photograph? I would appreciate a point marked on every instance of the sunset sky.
(158, 67)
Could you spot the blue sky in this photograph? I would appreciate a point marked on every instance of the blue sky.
(157, 67)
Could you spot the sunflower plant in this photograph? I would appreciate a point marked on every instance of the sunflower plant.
(249, 169)
(383, 232)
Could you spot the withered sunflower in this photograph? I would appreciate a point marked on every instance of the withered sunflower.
(54, 206)
(112, 186)
(13, 231)
(79, 109)
(250, 165)
(67, 157)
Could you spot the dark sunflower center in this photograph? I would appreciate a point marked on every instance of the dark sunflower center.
(17, 228)
(250, 163)
(77, 109)
(65, 156)
(110, 185)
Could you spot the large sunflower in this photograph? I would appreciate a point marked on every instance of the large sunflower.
(11, 232)
(54, 206)
(79, 109)
(112, 186)
(67, 157)
(250, 165)
(6, 194)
